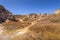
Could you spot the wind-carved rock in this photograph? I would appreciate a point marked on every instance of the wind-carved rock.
(5, 14)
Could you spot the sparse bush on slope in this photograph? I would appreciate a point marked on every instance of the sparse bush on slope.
(50, 31)
(55, 19)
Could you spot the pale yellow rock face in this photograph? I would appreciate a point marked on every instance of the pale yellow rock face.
(57, 11)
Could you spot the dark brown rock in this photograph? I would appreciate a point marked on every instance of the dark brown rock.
(5, 14)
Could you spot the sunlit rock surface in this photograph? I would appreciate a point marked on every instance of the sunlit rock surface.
(57, 11)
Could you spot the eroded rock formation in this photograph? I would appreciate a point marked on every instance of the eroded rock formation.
(5, 14)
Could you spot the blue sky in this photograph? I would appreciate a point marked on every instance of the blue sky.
(31, 6)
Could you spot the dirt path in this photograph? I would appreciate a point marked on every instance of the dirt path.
(19, 32)
(26, 29)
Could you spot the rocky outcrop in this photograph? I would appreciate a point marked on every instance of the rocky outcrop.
(32, 15)
(5, 14)
(57, 11)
